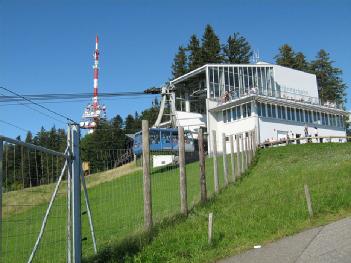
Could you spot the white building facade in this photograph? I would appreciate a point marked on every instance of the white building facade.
(275, 101)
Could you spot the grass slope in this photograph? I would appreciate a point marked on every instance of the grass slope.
(265, 205)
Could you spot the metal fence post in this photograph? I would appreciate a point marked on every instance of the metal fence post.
(215, 162)
(225, 161)
(146, 177)
(1, 178)
(182, 173)
(202, 167)
(69, 194)
(76, 194)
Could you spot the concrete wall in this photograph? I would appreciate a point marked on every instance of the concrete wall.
(229, 128)
(295, 79)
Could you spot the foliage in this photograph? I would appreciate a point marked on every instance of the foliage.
(27, 168)
(211, 47)
(179, 66)
(331, 86)
(209, 50)
(195, 58)
(237, 50)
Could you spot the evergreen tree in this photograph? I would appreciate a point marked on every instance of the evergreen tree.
(300, 62)
(211, 47)
(179, 66)
(237, 50)
(331, 86)
(286, 56)
(195, 55)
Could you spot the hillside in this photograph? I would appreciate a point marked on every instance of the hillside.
(267, 204)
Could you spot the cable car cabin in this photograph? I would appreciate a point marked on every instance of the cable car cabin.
(163, 140)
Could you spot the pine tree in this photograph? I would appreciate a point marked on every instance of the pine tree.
(211, 47)
(331, 86)
(195, 55)
(286, 56)
(237, 50)
(300, 62)
(179, 66)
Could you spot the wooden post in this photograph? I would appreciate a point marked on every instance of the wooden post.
(238, 161)
(146, 177)
(308, 200)
(232, 156)
(225, 162)
(242, 153)
(210, 227)
(215, 162)
(246, 151)
(182, 173)
(202, 167)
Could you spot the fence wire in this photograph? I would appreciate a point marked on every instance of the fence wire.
(29, 178)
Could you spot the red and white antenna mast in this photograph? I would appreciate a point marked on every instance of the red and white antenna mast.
(94, 112)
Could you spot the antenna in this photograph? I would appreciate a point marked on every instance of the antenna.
(256, 56)
(94, 111)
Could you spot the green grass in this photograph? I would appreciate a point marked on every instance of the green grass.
(116, 199)
(266, 204)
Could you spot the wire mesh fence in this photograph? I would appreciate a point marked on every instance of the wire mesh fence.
(29, 177)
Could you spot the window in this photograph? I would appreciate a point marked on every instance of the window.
(269, 110)
(249, 109)
(288, 111)
(238, 112)
(293, 114)
(306, 116)
(310, 117)
(224, 116)
(298, 115)
(244, 111)
(301, 115)
(259, 112)
(263, 109)
(274, 114)
(234, 114)
(283, 113)
(314, 117)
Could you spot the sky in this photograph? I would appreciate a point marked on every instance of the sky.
(47, 46)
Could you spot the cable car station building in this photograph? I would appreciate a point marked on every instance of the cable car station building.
(276, 101)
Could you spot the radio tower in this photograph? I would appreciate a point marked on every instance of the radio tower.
(94, 111)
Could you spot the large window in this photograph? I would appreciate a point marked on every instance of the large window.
(274, 114)
(269, 110)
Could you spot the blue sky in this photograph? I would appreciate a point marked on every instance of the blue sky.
(47, 46)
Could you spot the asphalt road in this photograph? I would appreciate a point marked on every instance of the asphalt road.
(330, 243)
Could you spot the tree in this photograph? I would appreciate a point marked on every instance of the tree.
(237, 50)
(179, 66)
(195, 56)
(286, 56)
(211, 47)
(331, 86)
(300, 62)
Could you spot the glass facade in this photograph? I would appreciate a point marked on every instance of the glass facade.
(299, 115)
(237, 112)
(239, 81)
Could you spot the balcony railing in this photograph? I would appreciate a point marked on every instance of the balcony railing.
(283, 94)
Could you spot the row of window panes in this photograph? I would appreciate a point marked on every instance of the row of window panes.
(237, 112)
(240, 80)
(298, 115)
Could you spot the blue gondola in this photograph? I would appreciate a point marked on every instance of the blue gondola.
(163, 140)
